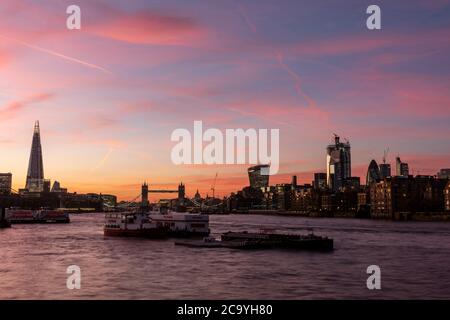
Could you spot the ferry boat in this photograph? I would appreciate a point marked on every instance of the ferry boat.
(16, 216)
(157, 223)
(181, 224)
(132, 224)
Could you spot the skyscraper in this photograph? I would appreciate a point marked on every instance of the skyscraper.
(35, 175)
(259, 176)
(402, 168)
(338, 164)
(320, 180)
(5, 183)
(385, 170)
(373, 173)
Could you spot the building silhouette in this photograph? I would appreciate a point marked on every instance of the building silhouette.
(259, 176)
(373, 173)
(5, 183)
(444, 174)
(402, 168)
(320, 180)
(338, 164)
(394, 197)
(385, 170)
(35, 174)
(447, 196)
(144, 194)
(181, 191)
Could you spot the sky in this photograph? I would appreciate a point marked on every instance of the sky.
(109, 96)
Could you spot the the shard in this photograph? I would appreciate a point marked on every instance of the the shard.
(35, 175)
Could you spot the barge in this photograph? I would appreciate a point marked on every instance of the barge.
(246, 240)
(4, 223)
(21, 216)
(214, 243)
(281, 240)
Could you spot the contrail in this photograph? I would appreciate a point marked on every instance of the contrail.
(59, 55)
(246, 18)
(103, 160)
(297, 80)
(280, 60)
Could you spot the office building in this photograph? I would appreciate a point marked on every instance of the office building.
(409, 194)
(338, 164)
(373, 173)
(402, 168)
(5, 183)
(447, 197)
(444, 174)
(385, 170)
(259, 176)
(320, 180)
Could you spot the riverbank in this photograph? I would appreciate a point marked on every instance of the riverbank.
(398, 216)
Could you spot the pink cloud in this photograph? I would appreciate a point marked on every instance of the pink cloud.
(150, 27)
(14, 107)
(4, 58)
(432, 39)
(426, 164)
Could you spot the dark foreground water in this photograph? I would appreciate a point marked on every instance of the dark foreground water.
(414, 259)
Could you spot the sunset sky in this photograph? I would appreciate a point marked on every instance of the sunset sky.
(108, 96)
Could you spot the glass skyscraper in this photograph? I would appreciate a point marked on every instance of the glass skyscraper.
(259, 176)
(35, 175)
(338, 164)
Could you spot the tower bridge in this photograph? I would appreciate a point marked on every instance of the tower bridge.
(145, 191)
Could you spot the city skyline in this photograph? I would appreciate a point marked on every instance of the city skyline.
(35, 175)
(107, 100)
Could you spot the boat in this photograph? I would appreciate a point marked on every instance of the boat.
(132, 224)
(20, 216)
(4, 223)
(181, 224)
(206, 242)
(282, 240)
(209, 242)
(53, 216)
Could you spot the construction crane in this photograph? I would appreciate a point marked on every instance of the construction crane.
(213, 187)
(385, 154)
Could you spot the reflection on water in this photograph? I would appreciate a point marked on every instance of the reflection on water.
(414, 259)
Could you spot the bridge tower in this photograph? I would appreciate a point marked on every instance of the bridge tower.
(181, 191)
(144, 194)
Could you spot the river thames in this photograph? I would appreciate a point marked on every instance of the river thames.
(414, 258)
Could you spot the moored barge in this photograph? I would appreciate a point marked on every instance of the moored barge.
(4, 223)
(209, 242)
(280, 240)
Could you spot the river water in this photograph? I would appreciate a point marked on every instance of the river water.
(414, 258)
